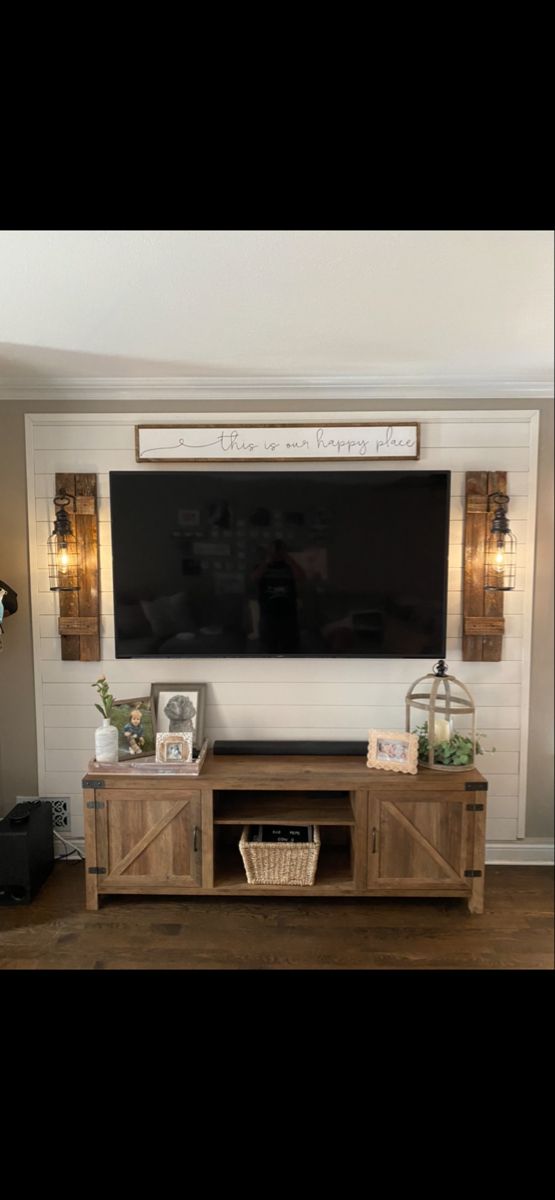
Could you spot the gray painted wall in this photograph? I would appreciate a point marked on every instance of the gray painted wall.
(18, 757)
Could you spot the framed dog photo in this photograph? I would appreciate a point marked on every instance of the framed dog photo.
(174, 748)
(179, 708)
(393, 751)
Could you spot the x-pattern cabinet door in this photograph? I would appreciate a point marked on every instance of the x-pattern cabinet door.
(421, 842)
(148, 838)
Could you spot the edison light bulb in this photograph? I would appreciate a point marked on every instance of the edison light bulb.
(499, 559)
(63, 559)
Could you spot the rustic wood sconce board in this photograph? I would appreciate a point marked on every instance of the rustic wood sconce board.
(483, 620)
(79, 621)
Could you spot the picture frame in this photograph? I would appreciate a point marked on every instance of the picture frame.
(391, 750)
(135, 736)
(278, 442)
(179, 708)
(176, 748)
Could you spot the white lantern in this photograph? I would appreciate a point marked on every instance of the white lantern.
(444, 698)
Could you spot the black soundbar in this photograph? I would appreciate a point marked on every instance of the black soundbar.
(290, 747)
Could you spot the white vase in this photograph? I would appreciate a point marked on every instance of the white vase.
(106, 742)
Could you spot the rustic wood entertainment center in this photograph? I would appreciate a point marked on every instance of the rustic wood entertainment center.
(381, 833)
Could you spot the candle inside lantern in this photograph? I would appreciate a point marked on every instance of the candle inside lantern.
(442, 729)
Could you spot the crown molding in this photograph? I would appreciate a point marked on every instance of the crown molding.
(387, 387)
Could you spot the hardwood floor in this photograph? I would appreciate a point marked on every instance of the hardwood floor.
(163, 933)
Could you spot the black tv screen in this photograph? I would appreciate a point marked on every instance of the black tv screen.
(343, 564)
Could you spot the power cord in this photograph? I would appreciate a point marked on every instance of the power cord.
(74, 849)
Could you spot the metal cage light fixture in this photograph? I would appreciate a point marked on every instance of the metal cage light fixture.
(500, 565)
(63, 555)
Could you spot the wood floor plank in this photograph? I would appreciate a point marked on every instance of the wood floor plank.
(217, 933)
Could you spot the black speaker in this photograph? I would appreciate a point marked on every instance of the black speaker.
(290, 747)
(26, 851)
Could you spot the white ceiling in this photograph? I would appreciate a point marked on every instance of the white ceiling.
(359, 303)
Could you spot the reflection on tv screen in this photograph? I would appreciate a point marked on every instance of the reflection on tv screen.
(294, 563)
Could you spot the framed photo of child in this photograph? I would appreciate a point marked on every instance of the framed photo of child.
(392, 751)
(133, 720)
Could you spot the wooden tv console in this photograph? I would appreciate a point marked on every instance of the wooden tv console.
(382, 833)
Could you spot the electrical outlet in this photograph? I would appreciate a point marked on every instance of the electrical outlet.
(60, 809)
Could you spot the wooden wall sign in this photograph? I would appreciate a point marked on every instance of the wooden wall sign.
(79, 620)
(368, 441)
(483, 620)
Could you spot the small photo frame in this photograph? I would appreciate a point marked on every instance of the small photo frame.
(393, 751)
(176, 748)
(179, 708)
(133, 721)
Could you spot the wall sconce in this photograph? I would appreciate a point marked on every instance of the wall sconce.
(63, 553)
(485, 528)
(73, 566)
(500, 565)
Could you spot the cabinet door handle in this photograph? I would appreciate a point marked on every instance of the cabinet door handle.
(374, 839)
(195, 838)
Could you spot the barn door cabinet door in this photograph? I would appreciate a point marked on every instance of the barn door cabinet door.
(142, 842)
(431, 844)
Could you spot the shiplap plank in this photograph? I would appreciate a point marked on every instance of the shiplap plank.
(50, 649)
(501, 739)
(64, 783)
(502, 807)
(503, 785)
(74, 736)
(483, 434)
(498, 763)
(69, 737)
(498, 830)
(94, 436)
(280, 675)
(477, 458)
(70, 716)
(69, 760)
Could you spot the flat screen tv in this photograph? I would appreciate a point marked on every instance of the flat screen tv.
(344, 564)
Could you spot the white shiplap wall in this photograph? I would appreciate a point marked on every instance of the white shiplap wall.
(286, 698)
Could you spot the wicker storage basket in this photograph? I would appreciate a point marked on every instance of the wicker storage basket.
(280, 863)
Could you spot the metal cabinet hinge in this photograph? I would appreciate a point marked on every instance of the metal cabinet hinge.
(94, 783)
(474, 807)
(101, 804)
(96, 870)
(476, 787)
(473, 874)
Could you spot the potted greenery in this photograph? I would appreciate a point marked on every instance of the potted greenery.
(454, 754)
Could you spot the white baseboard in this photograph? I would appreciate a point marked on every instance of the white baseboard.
(523, 854)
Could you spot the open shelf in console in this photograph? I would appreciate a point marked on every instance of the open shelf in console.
(297, 808)
(334, 870)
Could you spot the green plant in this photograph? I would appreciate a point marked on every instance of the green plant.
(107, 699)
(456, 752)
